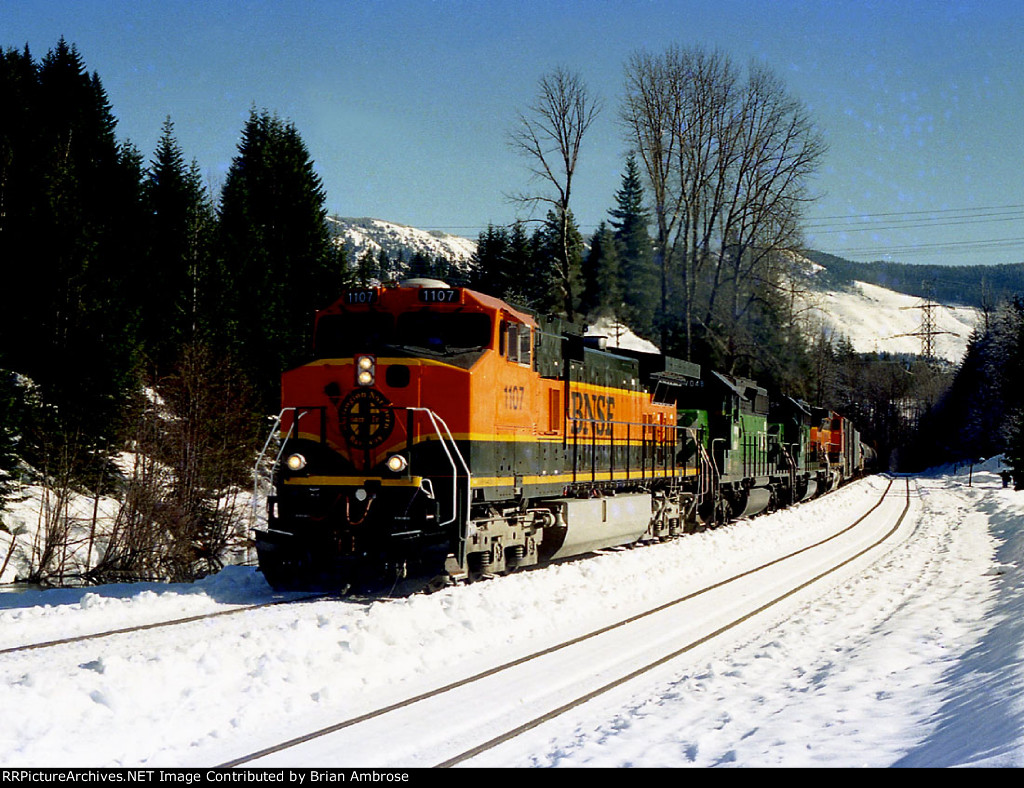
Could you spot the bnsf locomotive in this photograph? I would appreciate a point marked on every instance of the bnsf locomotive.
(443, 432)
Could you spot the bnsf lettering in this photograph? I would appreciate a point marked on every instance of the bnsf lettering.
(593, 412)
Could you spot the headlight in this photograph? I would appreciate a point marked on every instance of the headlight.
(397, 463)
(365, 370)
(295, 462)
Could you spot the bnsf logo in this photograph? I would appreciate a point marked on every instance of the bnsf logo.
(592, 412)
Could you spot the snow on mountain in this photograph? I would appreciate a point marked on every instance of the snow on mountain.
(358, 235)
(875, 319)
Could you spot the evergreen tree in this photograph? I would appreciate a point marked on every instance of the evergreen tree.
(68, 243)
(179, 224)
(420, 266)
(366, 269)
(601, 283)
(638, 276)
(19, 168)
(527, 269)
(445, 270)
(521, 259)
(490, 262)
(276, 258)
(390, 268)
(546, 284)
(10, 401)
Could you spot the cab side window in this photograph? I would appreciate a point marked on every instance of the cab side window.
(518, 344)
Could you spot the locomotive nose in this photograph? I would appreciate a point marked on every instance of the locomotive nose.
(370, 405)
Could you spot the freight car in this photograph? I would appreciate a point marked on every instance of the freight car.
(445, 433)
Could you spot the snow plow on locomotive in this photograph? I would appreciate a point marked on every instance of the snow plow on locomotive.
(444, 433)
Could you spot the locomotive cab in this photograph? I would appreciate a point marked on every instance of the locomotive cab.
(371, 475)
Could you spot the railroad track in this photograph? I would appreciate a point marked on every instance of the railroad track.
(444, 727)
(155, 625)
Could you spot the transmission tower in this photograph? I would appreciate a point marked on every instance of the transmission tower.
(928, 331)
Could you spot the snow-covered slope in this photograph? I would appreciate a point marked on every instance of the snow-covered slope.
(358, 235)
(876, 319)
(914, 660)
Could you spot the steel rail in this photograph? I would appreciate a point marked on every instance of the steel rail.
(537, 721)
(154, 625)
(359, 719)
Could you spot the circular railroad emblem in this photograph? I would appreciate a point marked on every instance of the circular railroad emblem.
(366, 418)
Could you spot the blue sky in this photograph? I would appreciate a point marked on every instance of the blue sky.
(405, 104)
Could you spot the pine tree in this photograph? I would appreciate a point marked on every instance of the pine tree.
(19, 171)
(490, 262)
(547, 284)
(179, 224)
(420, 265)
(276, 257)
(601, 277)
(10, 406)
(638, 276)
(70, 195)
(366, 269)
(390, 268)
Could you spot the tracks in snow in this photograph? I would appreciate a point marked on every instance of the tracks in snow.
(461, 720)
(153, 625)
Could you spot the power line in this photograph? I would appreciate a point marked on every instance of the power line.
(951, 247)
(919, 213)
(914, 224)
(889, 221)
(943, 219)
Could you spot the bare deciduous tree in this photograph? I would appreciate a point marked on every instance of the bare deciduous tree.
(727, 162)
(181, 515)
(650, 110)
(549, 133)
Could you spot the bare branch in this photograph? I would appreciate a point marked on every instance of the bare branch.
(549, 134)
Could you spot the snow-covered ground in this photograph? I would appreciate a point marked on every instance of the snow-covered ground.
(618, 335)
(916, 661)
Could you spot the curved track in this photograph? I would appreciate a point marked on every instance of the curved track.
(454, 723)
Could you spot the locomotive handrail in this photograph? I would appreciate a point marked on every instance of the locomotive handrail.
(673, 430)
(713, 479)
(434, 420)
(277, 459)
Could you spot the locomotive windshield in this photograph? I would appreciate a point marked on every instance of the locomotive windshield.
(434, 332)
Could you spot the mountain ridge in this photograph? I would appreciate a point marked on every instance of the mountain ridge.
(978, 286)
(359, 235)
(876, 306)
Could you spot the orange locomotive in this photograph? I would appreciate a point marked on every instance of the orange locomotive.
(443, 432)
(838, 449)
